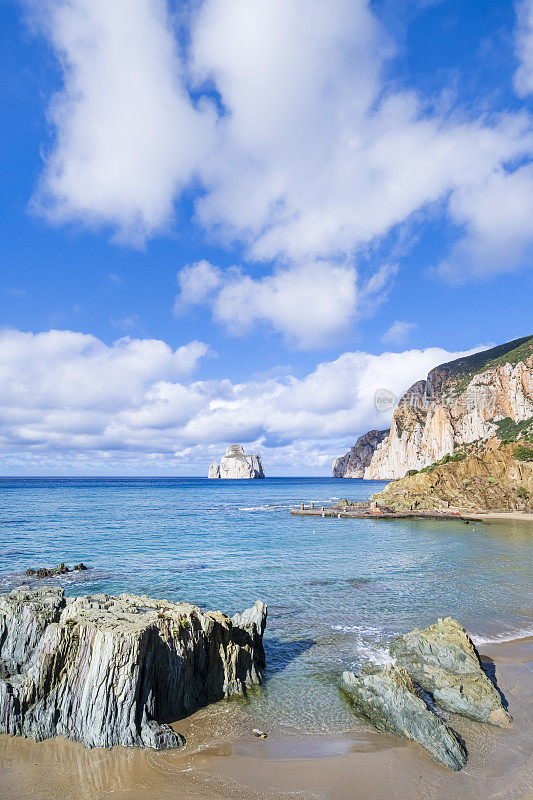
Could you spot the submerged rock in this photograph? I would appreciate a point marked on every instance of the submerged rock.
(388, 698)
(106, 670)
(236, 464)
(445, 662)
(61, 569)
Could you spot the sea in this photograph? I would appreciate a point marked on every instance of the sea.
(337, 590)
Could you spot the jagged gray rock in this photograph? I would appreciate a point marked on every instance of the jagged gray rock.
(108, 670)
(236, 464)
(354, 463)
(444, 661)
(388, 698)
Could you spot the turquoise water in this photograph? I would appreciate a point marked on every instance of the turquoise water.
(336, 590)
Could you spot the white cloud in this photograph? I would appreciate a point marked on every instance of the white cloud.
(128, 323)
(308, 304)
(66, 370)
(524, 48)
(399, 332)
(70, 402)
(318, 156)
(310, 157)
(496, 218)
(127, 137)
(197, 282)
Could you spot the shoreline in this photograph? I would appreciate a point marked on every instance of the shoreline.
(219, 764)
(332, 512)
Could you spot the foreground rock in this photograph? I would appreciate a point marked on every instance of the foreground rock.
(388, 698)
(236, 464)
(443, 660)
(354, 463)
(106, 670)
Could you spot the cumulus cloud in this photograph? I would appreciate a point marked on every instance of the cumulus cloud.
(399, 332)
(309, 304)
(496, 220)
(317, 156)
(301, 149)
(524, 48)
(68, 400)
(127, 136)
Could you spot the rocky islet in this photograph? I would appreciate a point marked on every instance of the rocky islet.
(235, 464)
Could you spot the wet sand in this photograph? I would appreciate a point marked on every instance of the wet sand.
(228, 762)
(520, 516)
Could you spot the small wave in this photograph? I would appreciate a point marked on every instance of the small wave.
(364, 630)
(267, 507)
(377, 655)
(505, 636)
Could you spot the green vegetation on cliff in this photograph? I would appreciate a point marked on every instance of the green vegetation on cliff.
(510, 431)
(461, 371)
(496, 480)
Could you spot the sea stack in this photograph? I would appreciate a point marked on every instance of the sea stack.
(236, 464)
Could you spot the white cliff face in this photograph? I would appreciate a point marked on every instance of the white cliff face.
(437, 415)
(214, 470)
(236, 464)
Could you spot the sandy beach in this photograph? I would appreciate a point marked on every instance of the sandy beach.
(505, 516)
(231, 763)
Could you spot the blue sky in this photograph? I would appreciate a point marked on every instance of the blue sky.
(275, 208)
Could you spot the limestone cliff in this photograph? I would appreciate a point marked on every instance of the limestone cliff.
(353, 464)
(236, 464)
(106, 670)
(495, 480)
(462, 405)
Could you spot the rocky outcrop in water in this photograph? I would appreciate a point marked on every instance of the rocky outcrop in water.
(443, 660)
(107, 670)
(461, 405)
(388, 698)
(236, 464)
(495, 480)
(440, 665)
(354, 463)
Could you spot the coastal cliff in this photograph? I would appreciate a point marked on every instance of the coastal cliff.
(236, 464)
(461, 407)
(496, 480)
(106, 670)
(354, 463)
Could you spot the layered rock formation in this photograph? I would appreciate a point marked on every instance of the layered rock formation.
(495, 480)
(354, 463)
(108, 670)
(462, 404)
(388, 698)
(236, 464)
(443, 660)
